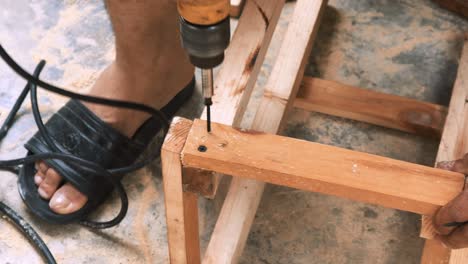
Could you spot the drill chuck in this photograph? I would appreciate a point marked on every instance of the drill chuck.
(205, 33)
(205, 44)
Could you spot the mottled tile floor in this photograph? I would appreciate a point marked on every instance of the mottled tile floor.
(404, 47)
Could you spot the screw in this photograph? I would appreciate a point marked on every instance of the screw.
(202, 148)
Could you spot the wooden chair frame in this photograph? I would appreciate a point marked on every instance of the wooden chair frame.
(194, 160)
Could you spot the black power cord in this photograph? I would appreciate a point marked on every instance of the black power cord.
(29, 232)
(88, 166)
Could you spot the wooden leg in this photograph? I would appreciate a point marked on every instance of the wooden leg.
(452, 146)
(225, 245)
(181, 207)
(435, 253)
(192, 241)
(238, 212)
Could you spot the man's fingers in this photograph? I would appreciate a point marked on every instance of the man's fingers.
(457, 239)
(446, 165)
(460, 165)
(451, 221)
(446, 219)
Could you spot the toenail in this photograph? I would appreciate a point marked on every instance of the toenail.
(59, 201)
(42, 193)
(37, 179)
(43, 167)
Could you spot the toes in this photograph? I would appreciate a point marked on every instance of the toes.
(67, 200)
(64, 200)
(38, 178)
(41, 167)
(49, 184)
(41, 170)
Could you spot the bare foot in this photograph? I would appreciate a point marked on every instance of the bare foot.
(152, 87)
(150, 68)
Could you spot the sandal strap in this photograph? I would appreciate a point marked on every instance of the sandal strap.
(78, 131)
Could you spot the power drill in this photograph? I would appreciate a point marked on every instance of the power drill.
(205, 32)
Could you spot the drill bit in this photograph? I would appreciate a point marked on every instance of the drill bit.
(207, 90)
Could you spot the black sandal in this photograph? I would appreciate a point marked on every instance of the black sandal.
(77, 129)
(79, 134)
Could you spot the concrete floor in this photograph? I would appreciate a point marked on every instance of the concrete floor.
(403, 47)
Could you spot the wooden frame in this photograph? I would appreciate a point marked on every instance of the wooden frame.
(181, 206)
(320, 168)
(453, 145)
(193, 160)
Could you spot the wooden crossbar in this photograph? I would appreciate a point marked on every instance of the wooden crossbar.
(320, 168)
(337, 99)
(391, 111)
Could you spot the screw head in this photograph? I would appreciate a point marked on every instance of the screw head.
(202, 148)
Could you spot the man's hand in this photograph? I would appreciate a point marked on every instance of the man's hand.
(451, 221)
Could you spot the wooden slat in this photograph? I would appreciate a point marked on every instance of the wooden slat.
(459, 256)
(453, 142)
(237, 77)
(181, 207)
(435, 253)
(321, 168)
(238, 211)
(244, 57)
(236, 8)
(372, 107)
(453, 145)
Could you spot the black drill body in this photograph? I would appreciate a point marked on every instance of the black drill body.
(205, 46)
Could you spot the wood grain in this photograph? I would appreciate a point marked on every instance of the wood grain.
(435, 253)
(453, 145)
(321, 168)
(238, 211)
(181, 207)
(372, 107)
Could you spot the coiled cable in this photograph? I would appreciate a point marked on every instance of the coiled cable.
(109, 174)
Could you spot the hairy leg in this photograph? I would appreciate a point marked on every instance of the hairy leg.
(150, 67)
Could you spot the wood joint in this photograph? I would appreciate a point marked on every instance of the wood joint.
(199, 181)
